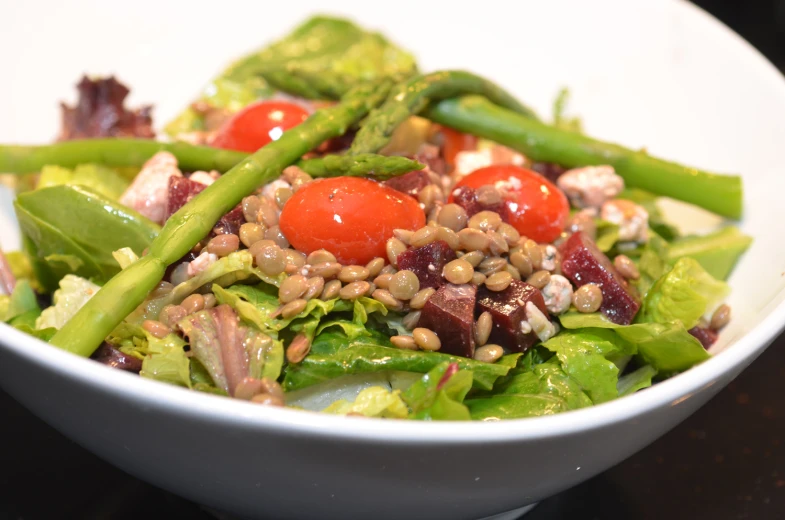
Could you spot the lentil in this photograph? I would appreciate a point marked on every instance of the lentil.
(488, 196)
(257, 246)
(320, 256)
(354, 290)
(156, 328)
(331, 290)
(404, 235)
(223, 245)
(267, 400)
(419, 300)
(474, 257)
(315, 287)
(251, 208)
(383, 281)
(491, 265)
(247, 388)
(387, 299)
(193, 303)
(587, 298)
(516, 275)
(282, 195)
(171, 314)
(353, 273)
(539, 279)
(298, 348)
(449, 236)
(478, 278)
(375, 266)
(485, 221)
(326, 270)
(293, 308)
(430, 196)
(295, 258)
(474, 240)
(292, 288)
(268, 214)
(250, 233)
(720, 318)
(458, 271)
(410, 320)
(388, 269)
(534, 253)
(404, 342)
(453, 216)
(489, 353)
(426, 339)
(271, 260)
(276, 235)
(423, 236)
(482, 329)
(162, 289)
(209, 301)
(179, 274)
(498, 243)
(626, 267)
(498, 282)
(509, 233)
(394, 248)
(404, 285)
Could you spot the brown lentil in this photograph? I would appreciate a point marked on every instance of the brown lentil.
(292, 288)
(315, 287)
(250, 233)
(482, 329)
(429, 196)
(271, 386)
(533, 251)
(383, 281)
(498, 243)
(271, 260)
(251, 208)
(587, 298)
(626, 267)
(320, 256)
(290, 173)
(583, 221)
(267, 400)
(404, 342)
(433, 215)
(180, 274)
(419, 300)
(521, 261)
(247, 388)
(295, 258)
(478, 278)
(386, 298)
(720, 318)
(161, 289)
(489, 353)
(223, 245)
(394, 248)
(474, 257)
(276, 235)
(326, 270)
(257, 246)
(410, 320)
(388, 269)
(375, 266)
(424, 235)
(485, 221)
(354, 290)
(474, 240)
(404, 285)
(171, 314)
(453, 216)
(268, 213)
(498, 282)
(509, 233)
(449, 236)
(293, 308)
(491, 265)
(156, 328)
(193, 303)
(331, 290)
(516, 275)
(301, 181)
(404, 235)
(353, 273)
(458, 271)
(426, 339)
(488, 195)
(298, 348)
(209, 301)
(539, 279)
(282, 195)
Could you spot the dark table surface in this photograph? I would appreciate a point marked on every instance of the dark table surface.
(725, 462)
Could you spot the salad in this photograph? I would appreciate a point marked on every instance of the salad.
(329, 228)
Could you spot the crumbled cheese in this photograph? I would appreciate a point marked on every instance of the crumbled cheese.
(590, 186)
(149, 193)
(539, 322)
(557, 294)
(632, 219)
(204, 177)
(201, 263)
(549, 256)
(525, 327)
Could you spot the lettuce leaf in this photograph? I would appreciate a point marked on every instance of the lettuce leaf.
(100, 179)
(21, 301)
(684, 294)
(73, 293)
(166, 360)
(439, 394)
(372, 402)
(636, 380)
(717, 252)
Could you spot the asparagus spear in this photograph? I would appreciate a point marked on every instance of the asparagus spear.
(125, 291)
(368, 164)
(412, 96)
(721, 194)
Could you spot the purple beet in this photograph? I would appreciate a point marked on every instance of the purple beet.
(583, 263)
(181, 190)
(450, 314)
(411, 183)
(466, 198)
(550, 171)
(508, 309)
(111, 356)
(230, 223)
(706, 336)
(427, 262)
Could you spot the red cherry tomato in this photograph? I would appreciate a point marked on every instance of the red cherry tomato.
(535, 207)
(454, 142)
(349, 216)
(258, 124)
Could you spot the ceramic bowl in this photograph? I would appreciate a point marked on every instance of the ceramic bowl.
(663, 75)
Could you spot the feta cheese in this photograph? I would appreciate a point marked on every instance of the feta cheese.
(149, 193)
(590, 186)
(632, 219)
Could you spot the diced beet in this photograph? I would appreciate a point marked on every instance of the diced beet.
(466, 198)
(427, 262)
(411, 183)
(706, 336)
(450, 314)
(181, 190)
(508, 309)
(430, 155)
(111, 356)
(230, 223)
(550, 171)
(583, 263)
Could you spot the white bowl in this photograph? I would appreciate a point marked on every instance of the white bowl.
(659, 74)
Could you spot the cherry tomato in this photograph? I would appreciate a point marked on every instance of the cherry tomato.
(454, 142)
(535, 207)
(349, 216)
(258, 124)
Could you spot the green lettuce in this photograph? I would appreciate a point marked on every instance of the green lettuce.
(20, 302)
(439, 394)
(72, 294)
(166, 360)
(372, 402)
(717, 252)
(100, 179)
(636, 380)
(657, 221)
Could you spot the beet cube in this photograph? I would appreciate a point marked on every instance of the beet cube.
(466, 198)
(181, 190)
(411, 183)
(427, 262)
(706, 336)
(450, 314)
(508, 309)
(583, 263)
(230, 223)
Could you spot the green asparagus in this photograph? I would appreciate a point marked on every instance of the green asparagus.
(125, 291)
(721, 194)
(411, 97)
(368, 164)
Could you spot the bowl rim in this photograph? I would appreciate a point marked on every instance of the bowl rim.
(177, 401)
